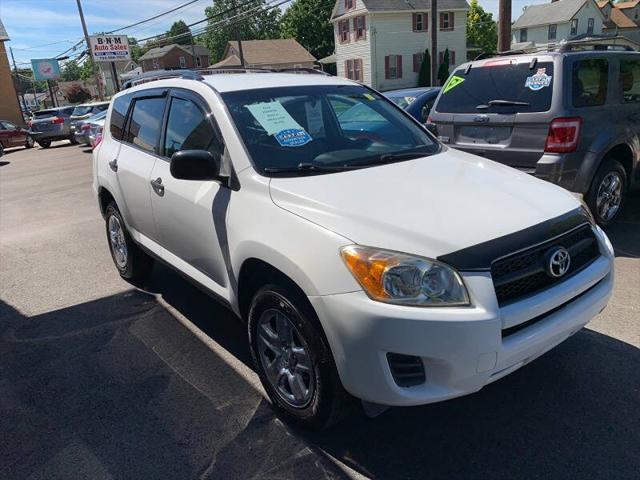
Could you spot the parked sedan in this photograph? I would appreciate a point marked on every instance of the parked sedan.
(85, 128)
(416, 101)
(85, 112)
(13, 136)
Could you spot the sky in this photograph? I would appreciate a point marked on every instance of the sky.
(46, 28)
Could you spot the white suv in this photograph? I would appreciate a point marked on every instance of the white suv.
(367, 259)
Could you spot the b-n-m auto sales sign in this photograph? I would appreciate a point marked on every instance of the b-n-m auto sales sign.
(109, 48)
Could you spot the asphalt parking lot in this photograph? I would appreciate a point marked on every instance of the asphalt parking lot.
(101, 380)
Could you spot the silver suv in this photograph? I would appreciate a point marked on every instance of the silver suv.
(52, 124)
(570, 116)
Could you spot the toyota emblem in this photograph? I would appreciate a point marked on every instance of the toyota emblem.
(558, 263)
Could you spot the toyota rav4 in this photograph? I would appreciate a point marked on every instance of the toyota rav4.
(369, 260)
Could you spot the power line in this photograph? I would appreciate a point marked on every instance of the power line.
(155, 16)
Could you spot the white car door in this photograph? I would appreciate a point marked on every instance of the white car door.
(138, 154)
(190, 215)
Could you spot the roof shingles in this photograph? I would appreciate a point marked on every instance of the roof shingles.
(3, 33)
(556, 12)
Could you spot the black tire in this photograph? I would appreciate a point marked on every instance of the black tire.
(329, 402)
(609, 167)
(73, 140)
(44, 143)
(1, 149)
(29, 142)
(137, 264)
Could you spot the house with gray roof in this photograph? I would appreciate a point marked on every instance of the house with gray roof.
(557, 21)
(175, 56)
(381, 43)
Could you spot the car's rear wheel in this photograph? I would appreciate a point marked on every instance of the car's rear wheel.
(73, 140)
(44, 143)
(293, 360)
(1, 149)
(607, 193)
(132, 263)
(29, 142)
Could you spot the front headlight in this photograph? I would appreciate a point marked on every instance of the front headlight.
(393, 277)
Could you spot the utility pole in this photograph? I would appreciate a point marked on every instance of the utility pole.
(434, 43)
(504, 25)
(96, 75)
(237, 29)
(15, 71)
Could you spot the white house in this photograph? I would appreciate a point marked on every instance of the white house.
(382, 42)
(557, 21)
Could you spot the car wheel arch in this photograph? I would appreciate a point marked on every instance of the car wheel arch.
(105, 197)
(622, 153)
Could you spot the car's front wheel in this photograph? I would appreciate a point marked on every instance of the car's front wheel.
(293, 360)
(1, 149)
(73, 140)
(132, 263)
(607, 192)
(44, 143)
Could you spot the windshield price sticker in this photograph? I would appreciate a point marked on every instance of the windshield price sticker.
(276, 121)
(538, 81)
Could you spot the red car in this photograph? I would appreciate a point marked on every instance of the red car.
(13, 136)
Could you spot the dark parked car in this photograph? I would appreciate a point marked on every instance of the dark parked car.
(52, 124)
(570, 116)
(416, 101)
(13, 136)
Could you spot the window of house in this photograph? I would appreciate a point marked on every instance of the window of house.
(156, 65)
(359, 26)
(630, 80)
(590, 24)
(183, 62)
(349, 4)
(553, 31)
(418, 58)
(353, 69)
(343, 28)
(393, 66)
(574, 26)
(523, 35)
(145, 123)
(446, 21)
(420, 22)
(188, 128)
(198, 61)
(590, 81)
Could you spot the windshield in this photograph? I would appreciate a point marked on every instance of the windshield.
(401, 99)
(499, 86)
(45, 113)
(81, 110)
(324, 128)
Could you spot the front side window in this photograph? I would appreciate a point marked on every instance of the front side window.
(145, 123)
(322, 129)
(188, 128)
(590, 80)
(553, 30)
(630, 80)
(590, 24)
(574, 26)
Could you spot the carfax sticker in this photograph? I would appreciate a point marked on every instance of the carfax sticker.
(293, 137)
(538, 81)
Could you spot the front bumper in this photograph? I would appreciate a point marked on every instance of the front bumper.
(462, 349)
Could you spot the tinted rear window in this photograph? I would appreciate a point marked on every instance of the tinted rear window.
(590, 82)
(118, 115)
(511, 82)
(81, 110)
(45, 114)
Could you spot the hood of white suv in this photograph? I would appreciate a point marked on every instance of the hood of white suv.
(430, 206)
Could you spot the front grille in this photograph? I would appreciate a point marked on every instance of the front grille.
(407, 370)
(524, 273)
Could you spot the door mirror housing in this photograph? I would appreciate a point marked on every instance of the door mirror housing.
(195, 165)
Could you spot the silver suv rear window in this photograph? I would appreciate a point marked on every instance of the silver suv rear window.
(498, 80)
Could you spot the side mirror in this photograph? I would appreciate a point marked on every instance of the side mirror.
(195, 165)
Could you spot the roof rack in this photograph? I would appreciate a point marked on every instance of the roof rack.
(161, 74)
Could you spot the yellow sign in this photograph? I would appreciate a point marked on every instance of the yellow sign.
(452, 83)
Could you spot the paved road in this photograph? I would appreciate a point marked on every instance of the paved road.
(101, 380)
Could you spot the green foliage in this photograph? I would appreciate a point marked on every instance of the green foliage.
(424, 76)
(482, 31)
(26, 83)
(178, 28)
(443, 70)
(86, 72)
(308, 23)
(71, 71)
(261, 25)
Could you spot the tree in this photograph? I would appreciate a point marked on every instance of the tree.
(309, 24)
(77, 94)
(71, 71)
(482, 31)
(86, 71)
(259, 24)
(180, 28)
(443, 70)
(424, 76)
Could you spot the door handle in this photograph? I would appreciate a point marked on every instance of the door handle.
(157, 186)
(113, 164)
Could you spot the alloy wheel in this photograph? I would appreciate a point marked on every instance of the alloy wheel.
(118, 242)
(609, 196)
(284, 355)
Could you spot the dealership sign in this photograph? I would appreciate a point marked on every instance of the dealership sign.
(109, 48)
(45, 69)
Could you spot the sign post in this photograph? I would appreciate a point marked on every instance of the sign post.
(46, 69)
(110, 48)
